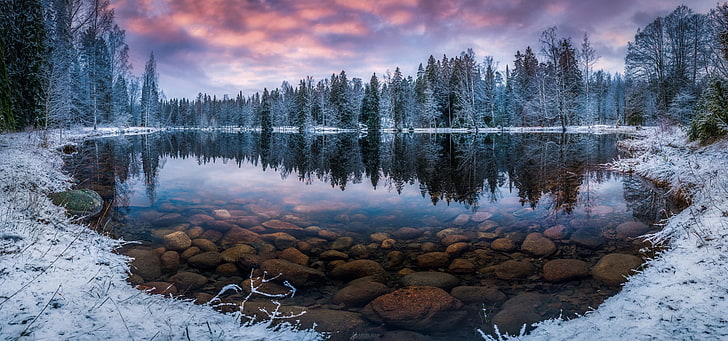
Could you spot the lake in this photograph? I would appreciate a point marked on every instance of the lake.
(420, 236)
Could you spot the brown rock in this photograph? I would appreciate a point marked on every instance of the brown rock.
(145, 264)
(556, 232)
(186, 254)
(205, 260)
(433, 260)
(222, 214)
(428, 247)
(441, 280)
(329, 255)
(275, 224)
(204, 244)
(239, 235)
(170, 261)
(461, 219)
(234, 253)
(461, 266)
(503, 244)
(526, 308)
(200, 219)
(511, 269)
(222, 226)
(360, 293)
(177, 241)
(328, 235)
(342, 243)
(186, 281)
(388, 244)
(481, 216)
(454, 238)
(195, 232)
(562, 270)
(246, 262)
(247, 221)
(293, 255)
(357, 268)
(212, 235)
(407, 233)
(587, 238)
(298, 275)
(457, 248)
(227, 269)
(538, 245)
(359, 251)
(614, 267)
(394, 259)
(261, 287)
(416, 308)
(480, 295)
(631, 229)
(379, 237)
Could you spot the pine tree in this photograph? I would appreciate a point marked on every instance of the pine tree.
(7, 121)
(370, 105)
(150, 93)
(22, 27)
(264, 111)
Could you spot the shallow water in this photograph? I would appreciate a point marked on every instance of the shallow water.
(498, 208)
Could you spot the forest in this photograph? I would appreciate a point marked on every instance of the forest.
(64, 63)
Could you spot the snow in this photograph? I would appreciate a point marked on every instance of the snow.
(682, 293)
(60, 280)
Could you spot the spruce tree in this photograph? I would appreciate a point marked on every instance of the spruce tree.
(7, 121)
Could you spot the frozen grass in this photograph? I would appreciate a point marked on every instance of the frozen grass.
(60, 280)
(682, 294)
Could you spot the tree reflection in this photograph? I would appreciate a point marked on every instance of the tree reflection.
(461, 168)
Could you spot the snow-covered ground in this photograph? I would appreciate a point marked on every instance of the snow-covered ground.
(59, 280)
(683, 293)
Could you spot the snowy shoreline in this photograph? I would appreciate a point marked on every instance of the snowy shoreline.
(60, 280)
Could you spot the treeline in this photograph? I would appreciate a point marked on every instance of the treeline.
(65, 63)
(673, 69)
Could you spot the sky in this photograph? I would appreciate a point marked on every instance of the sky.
(222, 47)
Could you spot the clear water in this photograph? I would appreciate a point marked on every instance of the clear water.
(483, 187)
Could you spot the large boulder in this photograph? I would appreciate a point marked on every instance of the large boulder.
(416, 308)
(79, 202)
(613, 268)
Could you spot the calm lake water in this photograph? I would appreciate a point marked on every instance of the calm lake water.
(355, 222)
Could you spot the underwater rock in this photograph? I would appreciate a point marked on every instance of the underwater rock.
(613, 268)
(416, 308)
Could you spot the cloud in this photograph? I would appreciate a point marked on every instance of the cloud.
(230, 45)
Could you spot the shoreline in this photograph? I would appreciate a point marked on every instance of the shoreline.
(59, 279)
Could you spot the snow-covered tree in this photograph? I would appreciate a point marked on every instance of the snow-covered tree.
(149, 93)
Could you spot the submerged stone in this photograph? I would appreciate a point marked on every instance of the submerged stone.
(613, 268)
(417, 308)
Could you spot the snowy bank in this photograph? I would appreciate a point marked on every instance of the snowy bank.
(60, 280)
(682, 294)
